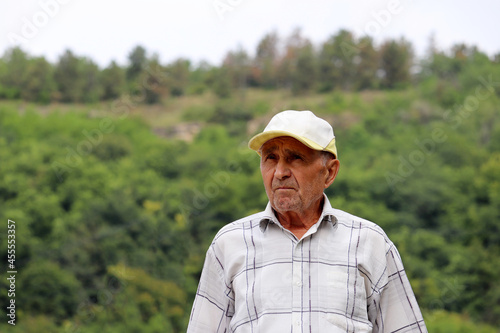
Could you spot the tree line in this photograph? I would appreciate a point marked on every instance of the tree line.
(343, 62)
(113, 239)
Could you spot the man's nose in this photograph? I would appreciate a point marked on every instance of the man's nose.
(282, 169)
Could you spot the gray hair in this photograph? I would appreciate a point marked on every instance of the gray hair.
(326, 156)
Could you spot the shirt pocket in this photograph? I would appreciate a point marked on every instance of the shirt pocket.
(342, 297)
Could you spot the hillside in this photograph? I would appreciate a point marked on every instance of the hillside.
(115, 209)
(114, 181)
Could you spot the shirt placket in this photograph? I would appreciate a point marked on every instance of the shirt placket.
(298, 275)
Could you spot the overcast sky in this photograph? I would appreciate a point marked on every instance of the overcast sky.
(106, 30)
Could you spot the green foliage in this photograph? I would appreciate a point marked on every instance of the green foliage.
(264, 72)
(444, 322)
(135, 299)
(178, 77)
(153, 81)
(114, 221)
(366, 70)
(297, 69)
(48, 290)
(396, 58)
(343, 62)
(231, 114)
(304, 76)
(39, 85)
(337, 68)
(237, 65)
(113, 81)
(69, 76)
(137, 58)
(221, 82)
(14, 74)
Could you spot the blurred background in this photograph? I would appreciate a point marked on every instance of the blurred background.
(123, 132)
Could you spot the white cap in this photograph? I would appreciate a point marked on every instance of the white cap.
(314, 132)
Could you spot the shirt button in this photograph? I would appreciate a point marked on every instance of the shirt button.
(298, 284)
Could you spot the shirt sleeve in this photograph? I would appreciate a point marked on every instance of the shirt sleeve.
(395, 308)
(213, 305)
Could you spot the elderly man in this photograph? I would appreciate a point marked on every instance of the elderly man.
(301, 265)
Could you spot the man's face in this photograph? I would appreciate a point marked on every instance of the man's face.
(294, 175)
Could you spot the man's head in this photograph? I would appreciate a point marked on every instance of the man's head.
(298, 160)
(312, 131)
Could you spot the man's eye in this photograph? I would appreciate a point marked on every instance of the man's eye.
(270, 157)
(297, 157)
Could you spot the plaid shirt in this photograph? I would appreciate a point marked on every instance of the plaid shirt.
(343, 275)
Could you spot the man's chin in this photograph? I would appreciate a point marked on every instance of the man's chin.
(285, 203)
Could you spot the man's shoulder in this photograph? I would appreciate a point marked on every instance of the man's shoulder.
(349, 220)
(245, 223)
(250, 219)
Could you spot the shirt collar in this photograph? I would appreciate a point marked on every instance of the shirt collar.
(269, 215)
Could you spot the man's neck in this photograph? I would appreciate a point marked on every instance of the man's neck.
(299, 222)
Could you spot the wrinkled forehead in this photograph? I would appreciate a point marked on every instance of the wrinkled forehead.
(287, 144)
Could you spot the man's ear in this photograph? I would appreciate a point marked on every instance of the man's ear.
(332, 167)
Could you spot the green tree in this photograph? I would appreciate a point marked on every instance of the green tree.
(366, 62)
(297, 67)
(237, 64)
(304, 76)
(113, 81)
(151, 296)
(220, 81)
(153, 81)
(3, 71)
(49, 290)
(92, 89)
(396, 61)
(178, 76)
(137, 61)
(70, 77)
(39, 84)
(265, 61)
(337, 61)
(15, 73)
(200, 78)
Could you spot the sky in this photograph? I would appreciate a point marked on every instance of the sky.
(106, 30)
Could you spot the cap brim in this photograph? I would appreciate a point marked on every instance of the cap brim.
(257, 141)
